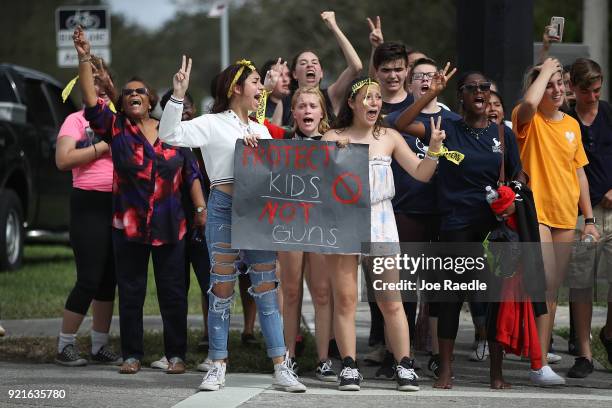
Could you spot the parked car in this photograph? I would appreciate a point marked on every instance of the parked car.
(34, 194)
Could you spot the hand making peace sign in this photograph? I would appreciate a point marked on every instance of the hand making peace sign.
(180, 80)
(376, 35)
(437, 135)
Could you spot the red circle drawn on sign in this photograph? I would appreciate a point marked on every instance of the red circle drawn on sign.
(353, 196)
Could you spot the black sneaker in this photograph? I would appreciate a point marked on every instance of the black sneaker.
(387, 368)
(405, 375)
(70, 357)
(106, 356)
(434, 365)
(333, 350)
(581, 369)
(325, 373)
(607, 343)
(349, 376)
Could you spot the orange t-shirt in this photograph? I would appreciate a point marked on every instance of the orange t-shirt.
(551, 152)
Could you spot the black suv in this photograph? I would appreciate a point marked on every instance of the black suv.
(34, 194)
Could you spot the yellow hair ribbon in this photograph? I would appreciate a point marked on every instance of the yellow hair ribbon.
(68, 88)
(357, 86)
(243, 64)
(260, 113)
(450, 155)
(111, 106)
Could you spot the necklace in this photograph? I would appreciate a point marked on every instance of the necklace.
(476, 132)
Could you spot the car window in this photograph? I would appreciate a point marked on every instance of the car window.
(38, 111)
(6, 90)
(61, 109)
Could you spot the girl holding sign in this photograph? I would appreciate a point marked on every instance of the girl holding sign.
(359, 121)
(238, 91)
(310, 122)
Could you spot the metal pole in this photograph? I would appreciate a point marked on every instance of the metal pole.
(595, 35)
(225, 37)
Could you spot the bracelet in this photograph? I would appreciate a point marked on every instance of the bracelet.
(95, 151)
(85, 59)
(589, 221)
(438, 153)
(432, 158)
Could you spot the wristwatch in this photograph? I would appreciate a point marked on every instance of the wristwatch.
(200, 210)
(589, 221)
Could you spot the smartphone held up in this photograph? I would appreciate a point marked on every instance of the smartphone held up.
(555, 30)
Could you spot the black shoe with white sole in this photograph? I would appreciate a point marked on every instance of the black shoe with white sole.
(350, 378)
(325, 373)
(405, 375)
(70, 357)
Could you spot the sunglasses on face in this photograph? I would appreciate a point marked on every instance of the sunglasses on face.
(139, 91)
(481, 86)
(419, 76)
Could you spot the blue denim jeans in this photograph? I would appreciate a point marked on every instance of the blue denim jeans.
(219, 232)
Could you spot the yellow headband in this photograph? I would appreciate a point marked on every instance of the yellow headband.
(356, 87)
(243, 64)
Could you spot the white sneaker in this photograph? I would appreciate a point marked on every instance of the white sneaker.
(162, 363)
(545, 376)
(214, 378)
(285, 378)
(205, 365)
(553, 358)
(481, 353)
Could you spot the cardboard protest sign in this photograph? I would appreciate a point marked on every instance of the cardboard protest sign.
(294, 195)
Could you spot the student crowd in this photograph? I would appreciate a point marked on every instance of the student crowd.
(139, 190)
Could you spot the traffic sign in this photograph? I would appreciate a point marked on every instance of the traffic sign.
(67, 57)
(94, 19)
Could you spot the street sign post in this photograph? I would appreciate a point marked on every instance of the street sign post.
(95, 20)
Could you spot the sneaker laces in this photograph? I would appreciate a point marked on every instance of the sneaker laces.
(286, 371)
(107, 353)
(212, 375)
(71, 352)
(326, 366)
(351, 373)
(407, 373)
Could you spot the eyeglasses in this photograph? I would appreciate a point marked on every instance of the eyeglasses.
(139, 91)
(419, 76)
(481, 86)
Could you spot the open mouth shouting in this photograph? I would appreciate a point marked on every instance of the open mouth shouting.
(372, 114)
(311, 76)
(479, 102)
(492, 116)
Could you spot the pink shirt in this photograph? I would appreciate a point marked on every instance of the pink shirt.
(96, 175)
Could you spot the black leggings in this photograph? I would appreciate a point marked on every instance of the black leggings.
(90, 237)
(448, 313)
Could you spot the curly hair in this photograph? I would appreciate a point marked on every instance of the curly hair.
(345, 117)
(222, 83)
(324, 123)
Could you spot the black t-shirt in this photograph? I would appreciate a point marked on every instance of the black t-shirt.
(388, 108)
(270, 107)
(288, 117)
(413, 196)
(597, 142)
(461, 188)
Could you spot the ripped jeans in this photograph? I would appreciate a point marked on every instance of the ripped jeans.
(218, 236)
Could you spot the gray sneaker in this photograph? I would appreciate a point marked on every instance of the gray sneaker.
(70, 357)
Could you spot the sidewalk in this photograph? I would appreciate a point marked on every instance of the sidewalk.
(93, 386)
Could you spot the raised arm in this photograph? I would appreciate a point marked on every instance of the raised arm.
(376, 38)
(189, 133)
(405, 121)
(547, 39)
(529, 106)
(354, 66)
(421, 170)
(86, 78)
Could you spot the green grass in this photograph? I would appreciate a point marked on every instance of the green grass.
(244, 359)
(40, 288)
(598, 350)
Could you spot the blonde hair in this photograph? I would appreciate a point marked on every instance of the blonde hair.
(324, 123)
(531, 74)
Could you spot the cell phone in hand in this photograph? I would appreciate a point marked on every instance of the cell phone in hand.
(556, 28)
